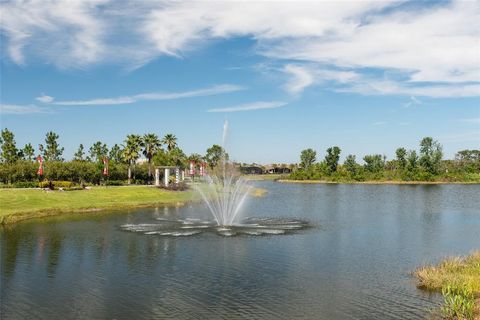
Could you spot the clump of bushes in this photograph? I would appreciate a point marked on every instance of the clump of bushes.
(181, 186)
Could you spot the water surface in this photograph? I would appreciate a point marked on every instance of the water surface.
(353, 263)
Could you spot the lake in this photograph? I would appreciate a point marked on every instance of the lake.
(353, 262)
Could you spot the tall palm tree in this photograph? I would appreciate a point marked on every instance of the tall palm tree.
(131, 152)
(151, 144)
(170, 141)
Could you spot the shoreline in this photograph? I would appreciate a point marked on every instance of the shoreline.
(373, 182)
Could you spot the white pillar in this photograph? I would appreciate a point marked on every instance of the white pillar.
(183, 175)
(157, 177)
(177, 175)
(166, 177)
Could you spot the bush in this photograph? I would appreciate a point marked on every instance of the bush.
(182, 186)
(56, 184)
(459, 303)
(25, 184)
(114, 183)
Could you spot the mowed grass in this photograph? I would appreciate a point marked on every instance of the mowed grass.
(21, 204)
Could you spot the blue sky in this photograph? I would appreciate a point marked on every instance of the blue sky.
(366, 76)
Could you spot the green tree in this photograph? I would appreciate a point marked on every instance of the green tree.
(307, 158)
(170, 141)
(115, 154)
(28, 152)
(52, 151)
(332, 157)
(401, 154)
(78, 156)
(430, 155)
(350, 164)
(131, 152)
(98, 151)
(8, 145)
(374, 163)
(412, 161)
(151, 145)
(214, 154)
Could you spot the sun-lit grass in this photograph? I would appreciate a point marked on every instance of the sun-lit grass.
(20, 204)
(459, 280)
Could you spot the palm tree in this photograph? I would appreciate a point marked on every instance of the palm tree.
(170, 141)
(131, 152)
(151, 144)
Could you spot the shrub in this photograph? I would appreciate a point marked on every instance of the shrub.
(114, 183)
(56, 184)
(25, 184)
(459, 303)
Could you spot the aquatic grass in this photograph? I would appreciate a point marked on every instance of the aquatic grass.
(458, 278)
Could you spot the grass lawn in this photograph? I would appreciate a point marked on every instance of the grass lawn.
(21, 204)
(459, 280)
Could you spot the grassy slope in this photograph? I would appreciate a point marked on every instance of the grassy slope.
(20, 204)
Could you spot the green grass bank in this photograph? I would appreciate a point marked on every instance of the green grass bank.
(22, 204)
(458, 279)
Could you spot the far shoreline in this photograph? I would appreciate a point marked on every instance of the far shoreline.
(373, 182)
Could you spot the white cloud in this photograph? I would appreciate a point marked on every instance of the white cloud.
(19, 109)
(471, 120)
(301, 78)
(215, 90)
(251, 106)
(417, 49)
(380, 123)
(44, 98)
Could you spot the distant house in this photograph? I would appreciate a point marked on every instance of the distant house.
(251, 170)
(273, 169)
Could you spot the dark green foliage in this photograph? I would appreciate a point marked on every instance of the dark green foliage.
(52, 151)
(98, 151)
(374, 163)
(401, 154)
(214, 154)
(332, 157)
(407, 166)
(307, 158)
(8, 145)
(115, 154)
(28, 152)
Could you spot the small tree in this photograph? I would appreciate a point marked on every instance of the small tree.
(78, 156)
(430, 155)
(151, 145)
(332, 157)
(52, 151)
(214, 154)
(374, 163)
(401, 154)
(131, 152)
(28, 152)
(350, 164)
(98, 151)
(8, 145)
(307, 158)
(115, 154)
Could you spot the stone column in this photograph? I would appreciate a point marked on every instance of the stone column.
(166, 177)
(183, 175)
(177, 175)
(157, 177)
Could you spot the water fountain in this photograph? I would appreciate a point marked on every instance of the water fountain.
(224, 193)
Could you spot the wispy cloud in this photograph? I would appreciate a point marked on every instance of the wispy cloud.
(413, 101)
(251, 106)
(157, 96)
(20, 109)
(301, 78)
(380, 123)
(44, 98)
(471, 120)
(352, 36)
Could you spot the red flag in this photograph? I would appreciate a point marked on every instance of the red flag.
(105, 166)
(40, 165)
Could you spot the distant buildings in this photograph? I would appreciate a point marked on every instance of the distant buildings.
(267, 169)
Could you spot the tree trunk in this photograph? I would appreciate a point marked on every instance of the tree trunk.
(129, 174)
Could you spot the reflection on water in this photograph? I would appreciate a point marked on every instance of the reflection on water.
(353, 264)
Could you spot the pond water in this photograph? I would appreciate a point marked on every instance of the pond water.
(353, 262)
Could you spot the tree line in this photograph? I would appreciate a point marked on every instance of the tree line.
(426, 165)
(19, 164)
